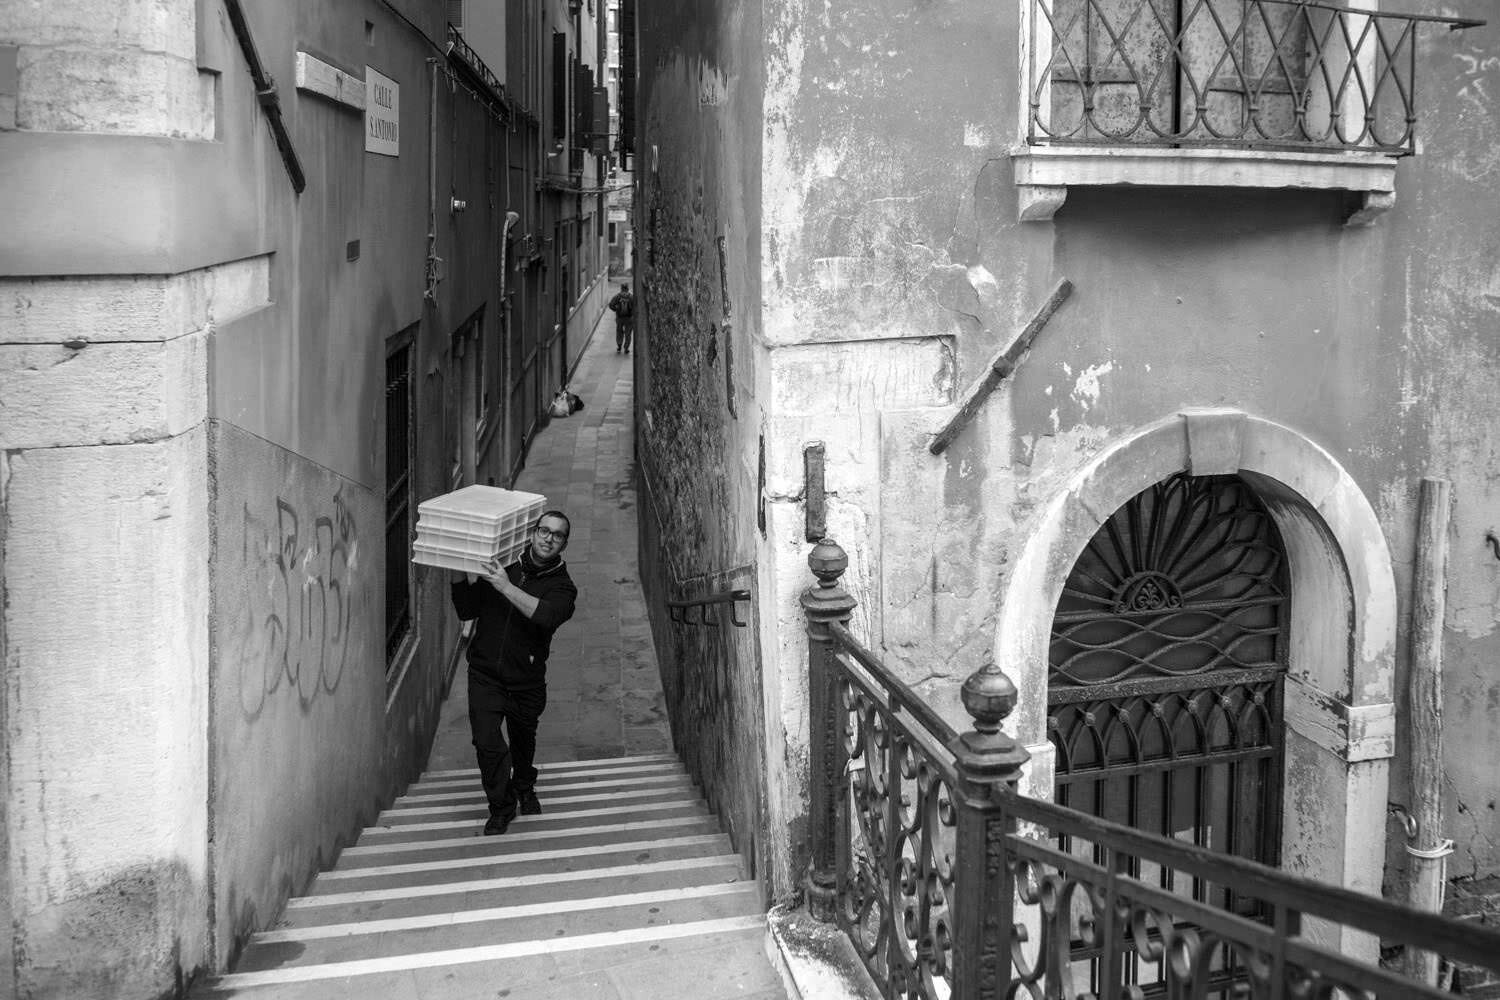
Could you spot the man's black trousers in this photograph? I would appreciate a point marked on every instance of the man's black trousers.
(506, 769)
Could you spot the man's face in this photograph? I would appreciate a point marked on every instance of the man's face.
(549, 538)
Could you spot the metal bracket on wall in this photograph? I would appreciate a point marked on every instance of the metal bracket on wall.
(265, 92)
(815, 500)
(681, 612)
(999, 369)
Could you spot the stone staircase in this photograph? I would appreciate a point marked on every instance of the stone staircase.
(624, 887)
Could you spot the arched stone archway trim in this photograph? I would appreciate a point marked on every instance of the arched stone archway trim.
(1339, 713)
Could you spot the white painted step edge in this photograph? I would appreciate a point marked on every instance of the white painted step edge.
(508, 859)
(385, 822)
(474, 795)
(547, 788)
(567, 765)
(648, 868)
(488, 953)
(600, 777)
(513, 835)
(513, 912)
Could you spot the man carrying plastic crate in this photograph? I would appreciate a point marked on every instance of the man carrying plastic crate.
(518, 608)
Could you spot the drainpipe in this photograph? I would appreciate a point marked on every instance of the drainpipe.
(433, 269)
(507, 317)
(1428, 850)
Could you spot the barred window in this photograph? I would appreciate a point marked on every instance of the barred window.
(398, 464)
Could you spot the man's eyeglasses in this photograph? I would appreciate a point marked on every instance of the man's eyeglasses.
(561, 536)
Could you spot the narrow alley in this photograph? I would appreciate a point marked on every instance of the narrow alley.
(1043, 542)
(624, 887)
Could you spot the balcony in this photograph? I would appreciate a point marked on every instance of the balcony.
(1254, 93)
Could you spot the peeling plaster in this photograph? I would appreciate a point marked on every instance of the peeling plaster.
(1086, 385)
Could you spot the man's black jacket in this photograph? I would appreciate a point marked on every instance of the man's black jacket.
(507, 647)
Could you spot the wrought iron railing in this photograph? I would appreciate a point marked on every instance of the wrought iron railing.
(949, 883)
(1257, 74)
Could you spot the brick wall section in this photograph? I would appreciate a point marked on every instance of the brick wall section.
(711, 675)
(1477, 900)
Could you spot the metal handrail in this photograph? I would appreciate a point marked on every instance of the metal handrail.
(681, 612)
(1465, 940)
(901, 696)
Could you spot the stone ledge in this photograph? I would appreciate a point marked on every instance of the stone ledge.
(1043, 174)
(815, 960)
(99, 204)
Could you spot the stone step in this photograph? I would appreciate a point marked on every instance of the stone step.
(535, 859)
(509, 924)
(440, 821)
(571, 784)
(597, 765)
(704, 961)
(375, 904)
(473, 795)
(466, 839)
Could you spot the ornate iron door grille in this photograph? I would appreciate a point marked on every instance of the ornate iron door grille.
(1165, 682)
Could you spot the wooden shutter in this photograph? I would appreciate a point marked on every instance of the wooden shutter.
(559, 86)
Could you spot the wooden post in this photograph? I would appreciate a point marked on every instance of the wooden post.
(1428, 848)
(989, 765)
(827, 602)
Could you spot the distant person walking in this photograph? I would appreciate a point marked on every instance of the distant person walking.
(517, 610)
(623, 306)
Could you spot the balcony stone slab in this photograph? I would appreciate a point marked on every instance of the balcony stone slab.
(1045, 173)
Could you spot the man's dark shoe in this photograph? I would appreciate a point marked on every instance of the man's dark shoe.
(529, 805)
(498, 825)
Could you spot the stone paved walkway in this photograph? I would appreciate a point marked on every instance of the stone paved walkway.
(604, 695)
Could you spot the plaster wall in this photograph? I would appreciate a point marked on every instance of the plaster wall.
(889, 218)
(299, 686)
(106, 575)
(106, 655)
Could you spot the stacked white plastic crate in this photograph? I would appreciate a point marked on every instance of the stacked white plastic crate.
(467, 528)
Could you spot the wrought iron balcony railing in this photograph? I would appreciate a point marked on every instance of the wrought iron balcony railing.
(1238, 74)
(950, 884)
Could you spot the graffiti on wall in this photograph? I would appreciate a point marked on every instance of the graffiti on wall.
(298, 638)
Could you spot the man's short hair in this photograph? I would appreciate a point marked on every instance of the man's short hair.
(557, 514)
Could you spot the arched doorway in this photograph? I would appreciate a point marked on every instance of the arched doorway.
(1166, 669)
(1339, 722)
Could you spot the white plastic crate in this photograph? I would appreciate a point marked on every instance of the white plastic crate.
(482, 507)
(447, 560)
(506, 545)
(480, 548)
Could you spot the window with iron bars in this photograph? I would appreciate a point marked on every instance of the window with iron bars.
(1246, 74)
(398, 467)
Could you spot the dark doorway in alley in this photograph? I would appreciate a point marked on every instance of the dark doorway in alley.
(1166, 667)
